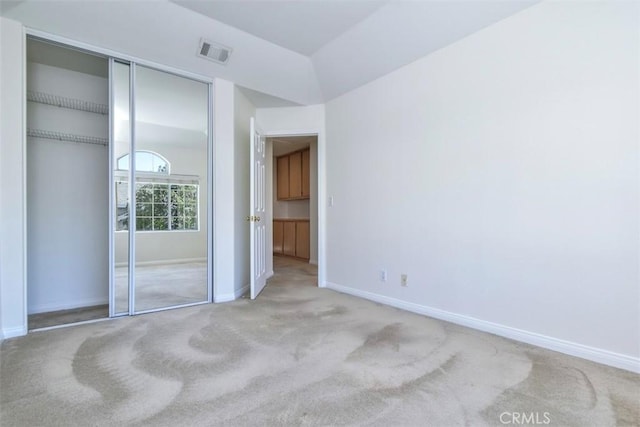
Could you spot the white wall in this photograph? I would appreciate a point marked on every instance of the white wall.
(13, 313)
(302, 120)
(314, 201)
(224, 191)
(243, 111)
(232, 111)
(501, 174)
(67, 196)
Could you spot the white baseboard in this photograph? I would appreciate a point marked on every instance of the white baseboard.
(313, 261)
(243, 290)
(45, 308)
(594, 354)
(238, 292)
(12, 332)
(224, 297)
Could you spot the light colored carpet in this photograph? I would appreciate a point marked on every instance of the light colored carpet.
(157, 286)
(298, 356)
(163, 285)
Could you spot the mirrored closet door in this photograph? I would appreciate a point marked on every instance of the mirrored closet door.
(119, 169)
(161, 222)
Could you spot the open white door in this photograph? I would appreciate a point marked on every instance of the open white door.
(257, 217)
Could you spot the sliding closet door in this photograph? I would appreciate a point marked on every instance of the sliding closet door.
(171, 188)
(121, 163)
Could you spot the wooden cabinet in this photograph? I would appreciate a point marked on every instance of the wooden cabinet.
(302, 239)
(293, 175)
(306, 172)
(291, 237)
(278, 237)
(282, 166)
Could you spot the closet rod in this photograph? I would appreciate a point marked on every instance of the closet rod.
(60, 136)
(70, 103)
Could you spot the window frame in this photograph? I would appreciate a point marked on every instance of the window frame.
(154, 156)
(170, 204)
(157, 178)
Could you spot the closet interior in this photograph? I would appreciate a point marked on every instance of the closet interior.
(67, 185)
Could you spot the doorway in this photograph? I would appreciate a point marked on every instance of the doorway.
(294, 201)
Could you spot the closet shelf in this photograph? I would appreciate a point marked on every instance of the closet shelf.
(61, 101)
(60, 136)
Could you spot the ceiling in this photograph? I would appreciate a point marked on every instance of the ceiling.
(352, 42)
(303, 26)
(287, 144)
(285, 52)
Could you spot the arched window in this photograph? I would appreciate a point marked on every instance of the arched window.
(146, 161)
(164, 202)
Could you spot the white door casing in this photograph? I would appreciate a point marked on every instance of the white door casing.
(257, 216)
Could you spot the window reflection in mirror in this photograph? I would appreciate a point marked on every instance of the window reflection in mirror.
(170, 190)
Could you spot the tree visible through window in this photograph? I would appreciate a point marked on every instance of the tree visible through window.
(166, 207)
(160, 206)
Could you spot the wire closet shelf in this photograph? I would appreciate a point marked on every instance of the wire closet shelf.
(61, 136)
(72, 104)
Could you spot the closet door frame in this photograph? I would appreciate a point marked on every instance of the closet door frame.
(132, 192)
(133, 61)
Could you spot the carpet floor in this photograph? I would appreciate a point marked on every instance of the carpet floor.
(300, 356)
(157, 286)
(163, 285)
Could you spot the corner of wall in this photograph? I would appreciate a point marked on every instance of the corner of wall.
(243, 111)
(13, 318)
(224, 190)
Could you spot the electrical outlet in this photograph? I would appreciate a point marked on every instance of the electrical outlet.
(403, 280)
(383, 275)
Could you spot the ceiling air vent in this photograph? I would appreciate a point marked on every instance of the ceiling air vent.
(214, 51)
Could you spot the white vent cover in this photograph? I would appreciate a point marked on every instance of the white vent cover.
(214, 51)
